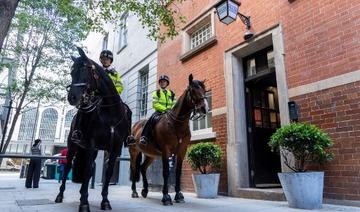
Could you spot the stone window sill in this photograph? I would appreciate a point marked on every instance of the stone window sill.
(195, 51)
(202, 134)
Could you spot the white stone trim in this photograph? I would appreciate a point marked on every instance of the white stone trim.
(325, 84)
(237, 144)
(202, 134)
(219, 111)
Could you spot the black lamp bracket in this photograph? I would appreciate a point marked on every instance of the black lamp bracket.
(245, 19)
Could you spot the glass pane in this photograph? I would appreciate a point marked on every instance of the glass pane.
(251, 67)
(273, 120)
(48, 125)
(201, 35)
(209, 115)
(266, 119)
(271, 101)
(257, 117)
(202, 123)
(195, 125)
(261, 63)
(263, 100)
(271, 60)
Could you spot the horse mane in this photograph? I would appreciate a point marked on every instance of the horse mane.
(105, 79)
(104, 76)
(198, 84)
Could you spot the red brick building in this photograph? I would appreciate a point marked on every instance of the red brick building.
(307, 51)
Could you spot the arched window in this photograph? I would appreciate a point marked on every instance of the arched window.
(27, 125)
(48, 124)
(68, 118)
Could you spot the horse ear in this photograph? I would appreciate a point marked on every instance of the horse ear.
(73, 58)
(190, 79)
(81, 52)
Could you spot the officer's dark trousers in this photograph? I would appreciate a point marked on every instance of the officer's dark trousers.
(33, 174)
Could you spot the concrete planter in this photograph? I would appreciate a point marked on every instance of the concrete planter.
(206, 185)
(303, 190)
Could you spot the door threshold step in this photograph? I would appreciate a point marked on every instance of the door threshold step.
(272, 194)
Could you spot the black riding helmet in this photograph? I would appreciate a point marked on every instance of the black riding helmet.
(107, 54)
(164, 77)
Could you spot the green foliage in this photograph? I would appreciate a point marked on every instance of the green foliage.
(42, 37)
(151, 13)
(202, 156)
(306, 142)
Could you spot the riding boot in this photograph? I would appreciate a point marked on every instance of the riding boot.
(146, 132)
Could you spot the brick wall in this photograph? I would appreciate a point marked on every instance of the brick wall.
(321, 39)
(337, 111)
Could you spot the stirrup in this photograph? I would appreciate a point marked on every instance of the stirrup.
(143, 140)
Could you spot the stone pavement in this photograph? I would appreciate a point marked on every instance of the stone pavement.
(15, 197)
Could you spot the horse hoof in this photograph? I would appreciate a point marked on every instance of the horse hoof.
(59, 199)
(106, 206)
(166, 200)
(179, 198)
(135, 195)
(144, 193)
(84, 208)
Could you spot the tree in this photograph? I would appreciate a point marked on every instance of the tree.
(151, 13)
(42, 37)
(7, 11)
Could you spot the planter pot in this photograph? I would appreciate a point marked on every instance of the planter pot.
(206, 185)
(303, 190)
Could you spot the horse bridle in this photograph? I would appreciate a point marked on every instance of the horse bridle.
(195, 115)
(90, 102)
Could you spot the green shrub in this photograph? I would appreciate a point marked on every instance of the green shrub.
(306, 142)
(204, 157)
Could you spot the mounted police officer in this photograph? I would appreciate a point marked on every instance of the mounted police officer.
(163, 100)
(106, 59)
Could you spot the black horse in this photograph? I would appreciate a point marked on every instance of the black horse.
(104, 124)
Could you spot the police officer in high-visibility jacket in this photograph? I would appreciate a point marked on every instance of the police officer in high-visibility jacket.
(163, 100)
(106, 59)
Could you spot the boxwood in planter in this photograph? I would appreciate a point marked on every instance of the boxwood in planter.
(307, 143)
(206, 158)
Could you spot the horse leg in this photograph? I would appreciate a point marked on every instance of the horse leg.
(84, 204)
(166, 200)
(69, 157)
(105, 203)
(148, 160)
(179, 197)
(135, 161)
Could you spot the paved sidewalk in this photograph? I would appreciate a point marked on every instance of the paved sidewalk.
(15, 197)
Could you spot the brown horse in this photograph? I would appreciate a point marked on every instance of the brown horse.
(171, 135)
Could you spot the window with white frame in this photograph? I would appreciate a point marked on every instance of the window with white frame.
(205, 122)
(143, 85)
(122, 39)
(48, 124)
(201, 35)
(105, 41)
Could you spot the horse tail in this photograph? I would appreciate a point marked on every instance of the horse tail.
(79, 165)
(135, 174)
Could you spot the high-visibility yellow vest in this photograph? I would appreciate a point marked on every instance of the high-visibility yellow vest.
(163, 100)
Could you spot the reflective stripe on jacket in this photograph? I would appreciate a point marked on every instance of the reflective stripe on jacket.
(115, 77)
(164, 101)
